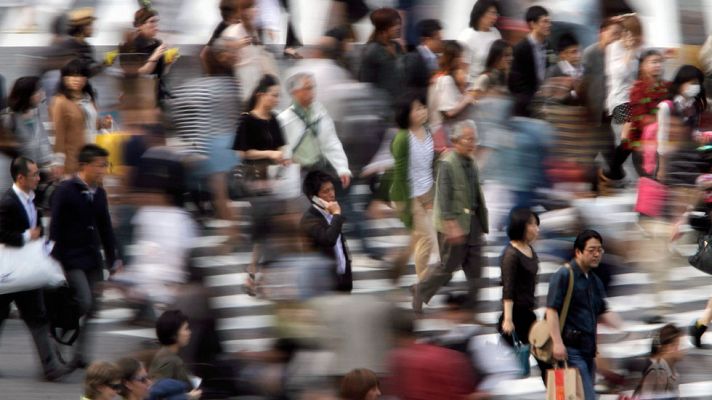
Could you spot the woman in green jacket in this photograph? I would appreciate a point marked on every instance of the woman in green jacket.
(412, 189)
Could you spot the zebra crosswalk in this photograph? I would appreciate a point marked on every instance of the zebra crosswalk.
(248, 323)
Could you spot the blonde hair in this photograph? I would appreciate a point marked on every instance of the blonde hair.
(100, 373)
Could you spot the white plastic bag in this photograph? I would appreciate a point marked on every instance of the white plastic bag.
(28, 267)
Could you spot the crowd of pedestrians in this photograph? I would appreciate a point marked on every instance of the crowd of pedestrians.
(464, 139)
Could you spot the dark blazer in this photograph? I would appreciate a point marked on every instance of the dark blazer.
(322, 236)
(416, 72)
(523, 81)
(13, 219)
(81, 227)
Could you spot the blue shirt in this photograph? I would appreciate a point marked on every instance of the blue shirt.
(588, 302)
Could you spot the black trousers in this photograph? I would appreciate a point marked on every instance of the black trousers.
(32, 310)
(292, 39)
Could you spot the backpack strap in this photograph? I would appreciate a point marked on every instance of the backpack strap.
(567, 298)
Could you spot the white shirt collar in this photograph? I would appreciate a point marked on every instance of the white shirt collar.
(535, 42)
(570, 70)
(22, 195)
(426, 52)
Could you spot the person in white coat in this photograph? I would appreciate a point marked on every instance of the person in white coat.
(310, 133)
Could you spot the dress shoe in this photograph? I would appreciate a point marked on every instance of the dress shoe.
(58, 373)
(696, 331)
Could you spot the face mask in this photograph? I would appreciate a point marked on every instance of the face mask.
(691, 91)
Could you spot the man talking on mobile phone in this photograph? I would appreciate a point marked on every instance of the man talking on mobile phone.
(322, 224)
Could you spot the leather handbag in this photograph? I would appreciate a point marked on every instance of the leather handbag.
(540, 334)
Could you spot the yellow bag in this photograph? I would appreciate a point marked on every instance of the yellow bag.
(564, 384)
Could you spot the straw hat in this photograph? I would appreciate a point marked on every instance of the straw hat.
(81, 16)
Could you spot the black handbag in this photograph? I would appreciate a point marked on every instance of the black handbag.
(702, 260)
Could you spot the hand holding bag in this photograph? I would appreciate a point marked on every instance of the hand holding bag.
(521, 353)
(702, 260)
(540, 336)
(564, 384)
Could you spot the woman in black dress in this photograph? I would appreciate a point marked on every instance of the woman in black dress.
(520, 266)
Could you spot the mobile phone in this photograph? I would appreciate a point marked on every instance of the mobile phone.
(319, 202)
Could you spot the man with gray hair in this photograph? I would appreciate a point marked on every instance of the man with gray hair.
(460, 218)
(310, 132)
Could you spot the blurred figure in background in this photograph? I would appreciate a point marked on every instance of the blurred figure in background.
(360, 384)
(135, 383)
(420, 65)
(25, 123)
(379, 63)
(322, 224)
(310, 133)
(413, 182)
(660, 379)
(260, 143)
(426, 371)
(460, 218)
(493, 79)
(102, 381)
(530, 60)
(144, 53)
(173, 333)
(271, 21)
(253, 61)
(595, 87)
(81, 27)
(74, 114)
(622, 68)
(9, 149)
(205, 112)
(569, 58)
(479, 36)
(687, 99)
(80, 204)
(449, 101)
(230, 15)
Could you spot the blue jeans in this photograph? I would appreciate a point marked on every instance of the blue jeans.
(587, 369)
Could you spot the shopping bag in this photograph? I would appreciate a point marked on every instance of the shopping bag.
(521, 353)
(286, 181)
(564, 384)
(651, 197)
(28, 267)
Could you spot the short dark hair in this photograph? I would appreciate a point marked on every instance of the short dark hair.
(314, 181)
(688, 73)
(427, 28)
(20, 99)
(518, 220)
(89, 152)
(168, 325)
(480, 9)
(405, 106)
(584, 237)
(20, 166)
(228, 8)
(565, 41)
(534, 13)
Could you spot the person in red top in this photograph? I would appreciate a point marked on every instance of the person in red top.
(421, 371)
(645, 96)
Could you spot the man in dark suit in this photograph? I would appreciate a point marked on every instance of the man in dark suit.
(20, 223)
(422, 63)
(530, 60)
(81, 228)
(322, 224)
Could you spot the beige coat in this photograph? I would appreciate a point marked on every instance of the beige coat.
(69, 127)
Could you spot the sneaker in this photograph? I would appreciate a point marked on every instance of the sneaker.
(696, 333)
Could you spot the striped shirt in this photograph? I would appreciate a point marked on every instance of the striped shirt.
(205, 107)
(420, 164)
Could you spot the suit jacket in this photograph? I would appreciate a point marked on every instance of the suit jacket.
(322, 236)
(523, 80)
(13, 219)
(81, 226)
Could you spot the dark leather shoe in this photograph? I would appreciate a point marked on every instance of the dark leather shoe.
(417, 301)
(696, 333)
(78, 363)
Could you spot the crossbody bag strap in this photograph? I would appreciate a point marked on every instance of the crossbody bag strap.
(307, 127)
(567, 299)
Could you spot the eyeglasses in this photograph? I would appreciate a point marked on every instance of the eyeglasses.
(114, 386)
(142, 379)
(592, 250)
